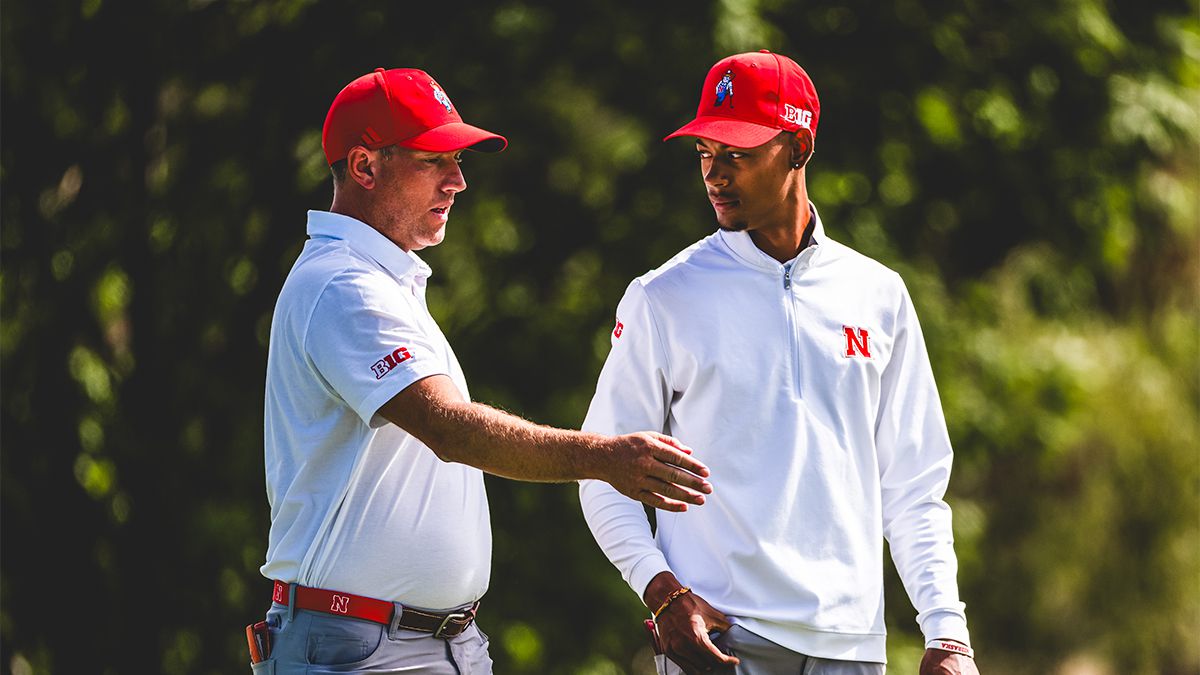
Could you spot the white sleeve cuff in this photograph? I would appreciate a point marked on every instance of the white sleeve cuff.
(645, 570)
(398, 380)
(945, 624)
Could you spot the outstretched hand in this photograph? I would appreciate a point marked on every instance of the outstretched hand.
(683, 627)
(656, 470)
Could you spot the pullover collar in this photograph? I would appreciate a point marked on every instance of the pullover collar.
(742, 247)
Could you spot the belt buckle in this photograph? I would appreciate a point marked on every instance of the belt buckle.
(457, 616)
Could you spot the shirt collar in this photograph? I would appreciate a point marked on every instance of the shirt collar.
(743, 247)
(367, 242)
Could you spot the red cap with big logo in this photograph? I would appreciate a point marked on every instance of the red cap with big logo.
(749, 98)
(402, 106)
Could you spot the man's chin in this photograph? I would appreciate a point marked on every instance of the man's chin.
(733, 226)
(436, 238)
(427, 239)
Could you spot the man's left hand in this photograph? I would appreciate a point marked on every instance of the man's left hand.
(938, 662)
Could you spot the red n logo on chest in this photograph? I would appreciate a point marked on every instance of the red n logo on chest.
(858, 342)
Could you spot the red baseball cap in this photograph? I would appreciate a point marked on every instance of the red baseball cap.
(749, 98)
(405, 107)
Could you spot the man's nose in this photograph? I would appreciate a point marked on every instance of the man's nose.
(716, 175)
(455, 181)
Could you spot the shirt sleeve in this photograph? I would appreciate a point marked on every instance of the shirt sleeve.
(632, 394)
(914, 464)
(366, 340)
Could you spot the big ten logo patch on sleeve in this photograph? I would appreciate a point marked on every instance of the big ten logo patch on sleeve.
(386, 364)
(858, 342)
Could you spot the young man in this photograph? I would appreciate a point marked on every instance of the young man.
(380, 545)
(798, 369)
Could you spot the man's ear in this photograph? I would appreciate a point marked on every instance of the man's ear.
(801, 148)
(360, 167)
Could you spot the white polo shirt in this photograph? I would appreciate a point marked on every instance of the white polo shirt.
(806, 389)
(358, 504)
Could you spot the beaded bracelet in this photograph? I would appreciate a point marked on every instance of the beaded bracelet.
(671, 598)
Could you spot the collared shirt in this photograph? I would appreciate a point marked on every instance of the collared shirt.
(806, 389)
(358, 504)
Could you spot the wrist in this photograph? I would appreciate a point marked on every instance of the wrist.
(593, 454)
(669, 600)
(948, 645)
(662, 585)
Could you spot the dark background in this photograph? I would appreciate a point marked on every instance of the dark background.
(1029, 167)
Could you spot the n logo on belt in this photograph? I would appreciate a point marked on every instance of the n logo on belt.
(340, 604)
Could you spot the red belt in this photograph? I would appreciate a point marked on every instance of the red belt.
(446, 625)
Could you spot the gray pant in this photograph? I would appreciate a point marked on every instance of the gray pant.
(760, 656)
(314, 643)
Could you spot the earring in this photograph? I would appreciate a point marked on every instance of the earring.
(796, 165)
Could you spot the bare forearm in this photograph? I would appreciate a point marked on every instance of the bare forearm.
(653, 469)
(506, 445)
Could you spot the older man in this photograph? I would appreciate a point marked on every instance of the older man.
(380, 544)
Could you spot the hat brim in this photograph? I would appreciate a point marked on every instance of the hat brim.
(455, 136)
(726, 131)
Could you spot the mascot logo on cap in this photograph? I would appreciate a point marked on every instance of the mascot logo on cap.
(725, 89)
(441, 97)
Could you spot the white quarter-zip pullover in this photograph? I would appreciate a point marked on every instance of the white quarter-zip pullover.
(807, 390)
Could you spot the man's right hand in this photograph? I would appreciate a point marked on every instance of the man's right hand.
(683, 627)
(656, 470)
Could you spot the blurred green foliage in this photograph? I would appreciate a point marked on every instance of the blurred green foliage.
(1031, 168)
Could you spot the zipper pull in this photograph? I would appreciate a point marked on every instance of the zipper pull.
(787, 276)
